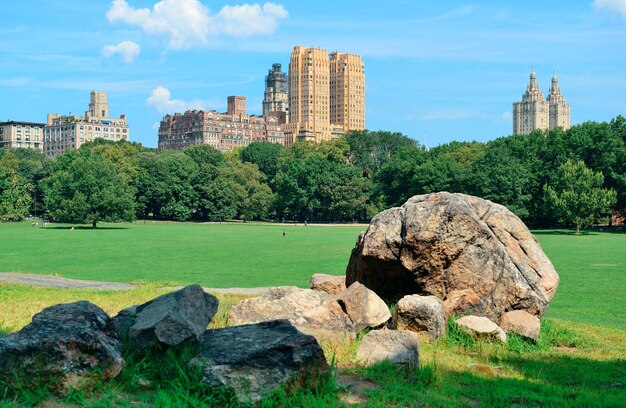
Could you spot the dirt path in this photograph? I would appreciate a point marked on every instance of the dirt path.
(66, 283)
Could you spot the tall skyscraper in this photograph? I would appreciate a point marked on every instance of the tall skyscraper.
(347, 91)
(276, 97)
(535, 113)
(326, 95)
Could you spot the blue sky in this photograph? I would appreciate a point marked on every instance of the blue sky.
(435, 71)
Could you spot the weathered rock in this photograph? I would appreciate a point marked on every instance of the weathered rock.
(481, 328)
(396, 346)
(333, 285)
(440, 243)
(68, 345)
(312, 312)
(461, 302)
(364, 307)
(421, 314)
(170, 319)
(253, 360)
(522, 323)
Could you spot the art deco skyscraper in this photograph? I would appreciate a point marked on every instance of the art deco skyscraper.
(347, 91)
(326, 95)
(559, 110)
(276, 98)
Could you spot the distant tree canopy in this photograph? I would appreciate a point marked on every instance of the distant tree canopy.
(351, 178)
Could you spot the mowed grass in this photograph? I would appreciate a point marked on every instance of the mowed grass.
(592, 266)
(213, 255)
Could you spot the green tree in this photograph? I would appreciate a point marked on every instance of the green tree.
(577, 196)
(85, 187)
(15, 195)
(265, 155)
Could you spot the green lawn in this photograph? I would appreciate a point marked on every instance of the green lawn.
(592, 266)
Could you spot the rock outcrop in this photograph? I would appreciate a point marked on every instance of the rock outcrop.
(68, 346)
(522, 323)
(168, 320)
(333, 285)
(442, 243)
(253, 360)
(421, 314)
(364, 307)
(481, 328)
(395, 346)
(312, 312)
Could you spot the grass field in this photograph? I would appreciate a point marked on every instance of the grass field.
(578, 361)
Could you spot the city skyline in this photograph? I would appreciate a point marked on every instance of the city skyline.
(436, 73)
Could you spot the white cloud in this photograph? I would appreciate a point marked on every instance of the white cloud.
(127, 49)
(250, 19)
(187, 23)
(507, 117)
(611, 5)
(160, 98)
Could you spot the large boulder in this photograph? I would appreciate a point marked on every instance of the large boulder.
(364, 307)
(395, 346)
(253, 360)
(442, 243)
(68, 346)
(168, 320)
(312, 312)
(481, 328)
(421, 314)
(522, 323)
(333, 285)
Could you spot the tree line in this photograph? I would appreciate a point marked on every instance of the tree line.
(548, 178)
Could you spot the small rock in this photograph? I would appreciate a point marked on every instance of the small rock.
(333, 285)
(522, 323)
(68, 346)
(312, 312)
(396, 346)
(170, 319)
(365, 308)
(481, 327)
(421, 314)
(254, 360)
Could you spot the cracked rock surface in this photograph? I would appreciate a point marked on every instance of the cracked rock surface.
(475, 255)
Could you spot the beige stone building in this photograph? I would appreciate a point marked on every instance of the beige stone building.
(63, 133)
(276, 97)
(28, 135)
(535, 113)
(326, 95)
(223, 131)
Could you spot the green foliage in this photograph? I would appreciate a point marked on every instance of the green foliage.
(15, 195)
(576, 195)
(265, 155)
(86, 188)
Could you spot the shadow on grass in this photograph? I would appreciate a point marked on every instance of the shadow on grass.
(557, 380)
(564, 232)
(84, 228)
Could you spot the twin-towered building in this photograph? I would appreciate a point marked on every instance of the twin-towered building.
(321, 98)
(535, 113)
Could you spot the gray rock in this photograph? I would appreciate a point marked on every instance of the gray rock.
(312, 312)
(395, 346)
(254, 360)
(168, 320)
(522, 323)
(441, 244)
(68, 345)
(364, 307)
(481, 328)
(421, 314)
(333, 285)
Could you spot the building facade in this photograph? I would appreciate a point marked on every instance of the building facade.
(326, 95)
(63, 133)
(535, 113)
(223, 131)
(276, 97)
(28, 135)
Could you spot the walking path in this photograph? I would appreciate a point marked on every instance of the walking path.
(66, 283)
